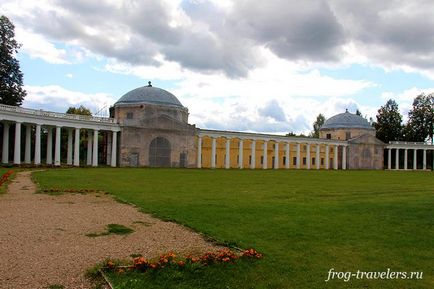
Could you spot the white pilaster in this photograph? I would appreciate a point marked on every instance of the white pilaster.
(77, 147)
(95, 148)
(49, 157)
(389, 159)
(265, 152)
(276, 155)
(424, 159)
(38, 145)
(253, 149)
(27, 150)
(308, 160)
(17, 145)
(57, 147)
(317, 157)
(240, 154)
(415, 159)
(89, 147)
(69, 150)
(114, 148)
(5, 152)
(199, 152)
(228, 154)
(213, 152)
(327, 158)
(344, 157)
(397, 159)
(405, 159)
(287, 155)
(336, 158)
(298, 156)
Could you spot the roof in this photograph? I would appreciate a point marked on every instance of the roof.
(346, 120)
(149, 95)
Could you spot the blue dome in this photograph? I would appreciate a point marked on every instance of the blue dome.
(149, 95)
(346, 120)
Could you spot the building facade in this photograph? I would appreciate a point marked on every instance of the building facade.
(148, 127)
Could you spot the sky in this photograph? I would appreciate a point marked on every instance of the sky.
(242, 65)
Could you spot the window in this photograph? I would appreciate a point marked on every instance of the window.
(129, 115)
(294, 161)
(322, 161)
(313, 161)
(250, 160)
(262, 160)
(304, 161)
(347, 135)
(284, 160)
(329, 136)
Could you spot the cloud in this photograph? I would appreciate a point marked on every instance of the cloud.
(272, 110)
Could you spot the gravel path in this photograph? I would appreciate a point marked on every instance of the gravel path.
(43, 242)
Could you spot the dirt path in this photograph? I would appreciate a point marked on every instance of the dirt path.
(43, 241)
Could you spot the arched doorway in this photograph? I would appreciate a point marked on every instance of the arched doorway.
(159, 152)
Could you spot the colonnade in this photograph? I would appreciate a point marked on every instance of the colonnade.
(73, 145)
(414, 148)
(325, 153)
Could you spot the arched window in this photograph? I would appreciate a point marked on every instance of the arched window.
(159, 152)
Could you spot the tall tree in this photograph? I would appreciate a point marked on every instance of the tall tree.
(421, 119)
(11, 77)
(389, 122)
(79, 110)
(318, 123)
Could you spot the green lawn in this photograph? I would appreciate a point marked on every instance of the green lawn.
(305, 222)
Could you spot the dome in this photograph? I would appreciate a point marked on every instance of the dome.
(149, 95)
(346, 120)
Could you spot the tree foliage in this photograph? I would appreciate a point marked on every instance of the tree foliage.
(11, 77)
(81, 110)
(318, 123)
(389, 122)
(421, 119)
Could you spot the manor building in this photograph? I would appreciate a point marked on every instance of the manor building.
(148, 127)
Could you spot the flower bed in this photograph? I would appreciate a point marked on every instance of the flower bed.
(5, 177)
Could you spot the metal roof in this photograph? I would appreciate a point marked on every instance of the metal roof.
(149, 95)
(346, 120)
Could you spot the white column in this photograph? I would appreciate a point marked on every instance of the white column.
(424, 159)
(77, 147)
(308, 160)
(276, 155)
(317, 157)
(228, 154)
(57, 147)
(415, 159)
(287, 155)
(114, 148)
(49, 157)
(199, 152)
(397, 159)
(298, 155)
(253, 149)
(27, 150)
(89, 147)
(405, 159)
(5, 152)
(327, 159)
(95, 148)
(213, 152)
(389, 159)
(240, 154)
(344, 157)
(69, 151)
(265, 148)
(17, 146)
(38, 145)
(336, 158)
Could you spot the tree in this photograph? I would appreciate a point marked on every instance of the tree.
(81, 110)
(389, 122)
(319, 122)
(11, 77)
(421, 119)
